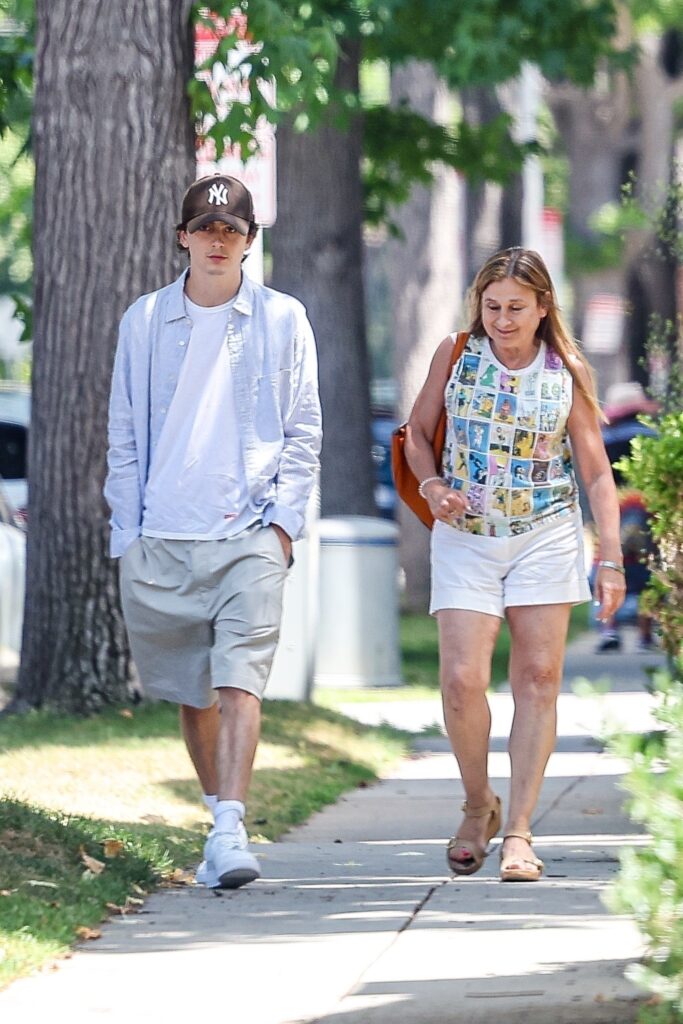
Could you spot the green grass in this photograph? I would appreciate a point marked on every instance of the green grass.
(49, 897)
(69, 785)
(420, 662)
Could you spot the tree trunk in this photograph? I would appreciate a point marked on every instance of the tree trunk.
(426, 277)
(114, 151)
(317, 256)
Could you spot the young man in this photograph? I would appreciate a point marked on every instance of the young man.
(214, 438)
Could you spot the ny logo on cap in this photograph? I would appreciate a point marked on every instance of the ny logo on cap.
(218, 194)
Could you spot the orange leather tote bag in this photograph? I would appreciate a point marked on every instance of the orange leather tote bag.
(404, 479)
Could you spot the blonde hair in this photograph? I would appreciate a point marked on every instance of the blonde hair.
(528, 268)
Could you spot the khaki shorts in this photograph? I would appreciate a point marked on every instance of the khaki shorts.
(203, 614)
(489, 574)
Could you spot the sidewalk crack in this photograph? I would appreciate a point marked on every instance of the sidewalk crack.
(420, 906)
(551, 807)
(406, 924)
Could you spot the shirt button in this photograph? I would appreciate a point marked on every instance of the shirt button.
(182, 344)
(163, 410)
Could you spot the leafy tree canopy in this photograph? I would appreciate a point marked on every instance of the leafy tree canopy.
(482, 44)
(17, 23)
(300, 44)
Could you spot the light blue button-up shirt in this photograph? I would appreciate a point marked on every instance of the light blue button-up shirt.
(275, 377)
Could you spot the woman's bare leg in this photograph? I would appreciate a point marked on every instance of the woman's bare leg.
(538, 640)
(466, 642)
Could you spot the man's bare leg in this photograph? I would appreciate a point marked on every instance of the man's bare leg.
(238, 736)
(200, 728)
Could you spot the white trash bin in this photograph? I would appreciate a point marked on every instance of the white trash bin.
(12, 579)
(358, 624)
(291, 675)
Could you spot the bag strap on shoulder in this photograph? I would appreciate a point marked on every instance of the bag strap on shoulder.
(460, 340)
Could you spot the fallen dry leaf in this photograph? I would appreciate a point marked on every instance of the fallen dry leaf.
(112, 847)
(139, 890)
(132, 901)
(88, 933)
(179, 877)
(153, 819)
(126, 713)
(95, 867)
(114, 908)
(592, 810)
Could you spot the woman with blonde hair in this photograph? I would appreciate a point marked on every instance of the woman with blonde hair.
(507, 542)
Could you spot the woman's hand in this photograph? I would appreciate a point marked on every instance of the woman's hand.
(444, 503)
(610, 591)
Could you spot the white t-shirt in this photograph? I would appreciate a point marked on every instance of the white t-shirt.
(196, 473)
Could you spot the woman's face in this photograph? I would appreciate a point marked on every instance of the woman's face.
(511, 313)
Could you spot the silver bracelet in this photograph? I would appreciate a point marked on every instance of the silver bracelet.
(606, 564)
(429, 480)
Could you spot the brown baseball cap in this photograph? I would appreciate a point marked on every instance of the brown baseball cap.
(217, 197)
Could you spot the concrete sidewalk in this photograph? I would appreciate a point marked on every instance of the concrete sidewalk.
(357, 920)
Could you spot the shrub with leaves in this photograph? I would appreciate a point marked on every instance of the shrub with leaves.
(655, 468)
(650, 882)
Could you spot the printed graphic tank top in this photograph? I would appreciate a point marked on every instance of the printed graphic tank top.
(506, 444)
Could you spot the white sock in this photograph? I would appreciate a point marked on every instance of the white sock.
(210, 800)
(228, 814)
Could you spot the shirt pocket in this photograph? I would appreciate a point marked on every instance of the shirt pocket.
(270, 394)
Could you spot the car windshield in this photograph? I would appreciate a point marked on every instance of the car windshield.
(12, 451)
(15, 404)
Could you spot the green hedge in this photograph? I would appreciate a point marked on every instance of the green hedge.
(650, 881)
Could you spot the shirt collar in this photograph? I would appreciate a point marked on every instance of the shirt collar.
(175, 310)
(244, 302)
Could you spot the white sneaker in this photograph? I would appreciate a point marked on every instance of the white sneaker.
(227, 862)
(205, 875)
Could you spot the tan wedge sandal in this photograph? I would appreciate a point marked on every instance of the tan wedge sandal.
(475, 852)
(520, 869)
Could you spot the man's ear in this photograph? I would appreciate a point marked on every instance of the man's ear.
(183, 239)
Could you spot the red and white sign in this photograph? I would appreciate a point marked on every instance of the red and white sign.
(552, 244)
(603, 324)
(227, 85)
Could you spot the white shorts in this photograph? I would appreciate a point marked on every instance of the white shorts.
(490, 574)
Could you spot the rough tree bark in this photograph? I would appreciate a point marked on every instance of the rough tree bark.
(114, 151)
(317, 256)
(426, 279)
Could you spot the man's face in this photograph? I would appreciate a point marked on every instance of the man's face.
(216, 248)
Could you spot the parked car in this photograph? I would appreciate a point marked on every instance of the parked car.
(15, 415)
(383, 424)
(12, 575)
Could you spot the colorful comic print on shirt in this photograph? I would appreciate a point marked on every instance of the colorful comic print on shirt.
(507, 447)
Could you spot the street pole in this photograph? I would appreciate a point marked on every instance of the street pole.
(532, 173)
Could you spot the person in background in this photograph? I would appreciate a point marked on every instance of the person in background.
(625, 402)
(214, 441)
(514, 549)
